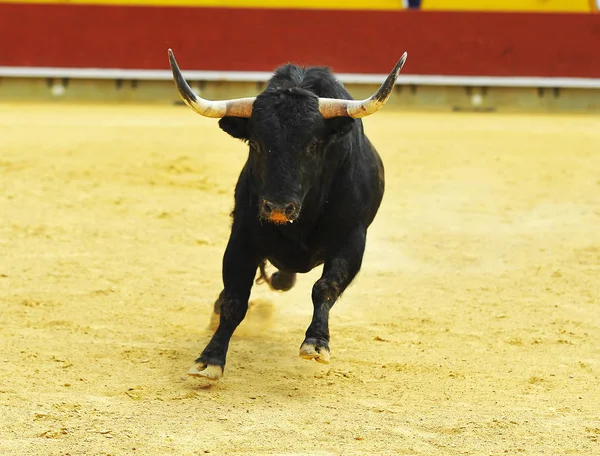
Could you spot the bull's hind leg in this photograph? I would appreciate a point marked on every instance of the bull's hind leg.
(279, 281)
(338, 272)
(239, 268)
(283, 281)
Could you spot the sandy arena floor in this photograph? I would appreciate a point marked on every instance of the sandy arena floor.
(473, 328)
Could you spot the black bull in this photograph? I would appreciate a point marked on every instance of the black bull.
(310, 188)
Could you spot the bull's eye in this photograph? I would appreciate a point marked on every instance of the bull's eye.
(314, 144)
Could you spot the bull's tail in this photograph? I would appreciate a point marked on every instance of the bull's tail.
(263, 277)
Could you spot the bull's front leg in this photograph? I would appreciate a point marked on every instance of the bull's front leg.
(239, 268)
(338, 272)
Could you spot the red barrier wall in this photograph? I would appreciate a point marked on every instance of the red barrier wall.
(438, 43)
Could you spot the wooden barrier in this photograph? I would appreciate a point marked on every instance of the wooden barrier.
(357, 42)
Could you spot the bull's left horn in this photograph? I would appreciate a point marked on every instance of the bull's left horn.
(331, 107)
(240, 107)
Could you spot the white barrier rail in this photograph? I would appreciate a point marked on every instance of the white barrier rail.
(262, 76)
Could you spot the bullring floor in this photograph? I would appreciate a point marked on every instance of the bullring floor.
(473, 328)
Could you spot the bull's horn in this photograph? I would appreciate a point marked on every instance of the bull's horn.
(331, 107)
(240, 107)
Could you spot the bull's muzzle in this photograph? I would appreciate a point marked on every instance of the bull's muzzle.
(279, 213)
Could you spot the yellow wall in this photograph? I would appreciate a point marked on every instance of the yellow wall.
(556, 6)
(296, 4)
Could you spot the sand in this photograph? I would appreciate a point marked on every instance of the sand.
(473, 327)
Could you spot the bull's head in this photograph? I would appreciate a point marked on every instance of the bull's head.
(288, 131)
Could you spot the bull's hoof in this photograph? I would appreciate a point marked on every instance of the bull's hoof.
(311, 349)
(209, 371)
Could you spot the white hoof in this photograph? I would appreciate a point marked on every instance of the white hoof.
(211, 371)
(309, 351)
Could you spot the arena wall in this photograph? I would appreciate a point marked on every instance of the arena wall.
(463, 54)
(350, 41)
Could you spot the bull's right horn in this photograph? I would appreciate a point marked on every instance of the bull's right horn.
(240, 107)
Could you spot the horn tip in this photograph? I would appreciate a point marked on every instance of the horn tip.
(172, 60)
(399, 65)
(403, 58)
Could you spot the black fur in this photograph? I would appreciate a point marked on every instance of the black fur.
(328, 169)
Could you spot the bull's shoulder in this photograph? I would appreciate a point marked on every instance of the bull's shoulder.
(359, 185)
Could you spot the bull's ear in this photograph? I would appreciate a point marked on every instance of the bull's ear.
(235, 126)
(338, 127)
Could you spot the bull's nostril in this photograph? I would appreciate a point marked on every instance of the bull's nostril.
(266, 207)
(290, 210)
